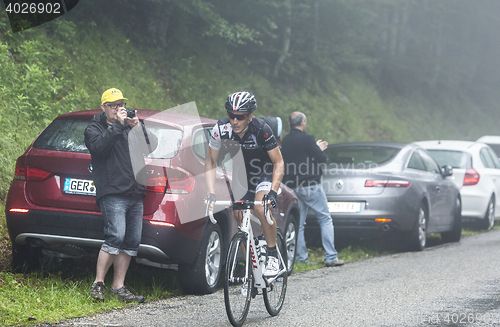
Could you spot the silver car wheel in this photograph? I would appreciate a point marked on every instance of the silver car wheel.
(213, 258)
(291, 244)
(422, 222)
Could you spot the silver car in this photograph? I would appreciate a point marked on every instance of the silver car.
(476, 171)
(378, 188)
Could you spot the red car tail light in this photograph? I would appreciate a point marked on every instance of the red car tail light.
(471, 177)
(156, 184)
(36, 174)
(375, 183)
(176, 182)
(20, 168)
(392, 183)
(179, 182)
(386, 183)
(28, 173)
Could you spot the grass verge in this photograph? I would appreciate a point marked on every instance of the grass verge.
(61, 291)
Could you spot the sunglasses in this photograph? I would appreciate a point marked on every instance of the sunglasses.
(239, 117)
(115, 106)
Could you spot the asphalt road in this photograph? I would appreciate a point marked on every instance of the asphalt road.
(455, 284)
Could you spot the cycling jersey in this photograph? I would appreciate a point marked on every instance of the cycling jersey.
(257, 141)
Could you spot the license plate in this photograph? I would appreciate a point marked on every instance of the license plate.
(79, 186)
(344, 206)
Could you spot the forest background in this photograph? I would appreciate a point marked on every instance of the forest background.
(361, 70)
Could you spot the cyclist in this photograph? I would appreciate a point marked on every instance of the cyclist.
(263, 163)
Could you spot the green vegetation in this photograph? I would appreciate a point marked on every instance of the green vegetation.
(61, 292)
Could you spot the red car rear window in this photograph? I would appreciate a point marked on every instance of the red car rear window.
(67, 135)
(63, 135)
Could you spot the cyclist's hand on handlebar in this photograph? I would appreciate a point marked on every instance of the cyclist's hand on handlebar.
(209, 198)
(271, 198)
(209, 201)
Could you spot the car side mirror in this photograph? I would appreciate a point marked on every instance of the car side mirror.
(447, 171)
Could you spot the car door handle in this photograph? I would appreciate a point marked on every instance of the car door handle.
(438, 188)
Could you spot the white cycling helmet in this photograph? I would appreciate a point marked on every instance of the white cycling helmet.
(241, 101)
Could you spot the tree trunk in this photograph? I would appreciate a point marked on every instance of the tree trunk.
(287, 34)
(315, 37)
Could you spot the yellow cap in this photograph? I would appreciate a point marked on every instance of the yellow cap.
(112, 95)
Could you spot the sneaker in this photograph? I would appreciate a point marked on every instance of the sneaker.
(124, 294)
(244, 289)
(334, 263)
(97, 291)
(272, 267)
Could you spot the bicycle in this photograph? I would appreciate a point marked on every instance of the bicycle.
(245, 265)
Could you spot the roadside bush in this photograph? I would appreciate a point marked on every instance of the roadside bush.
(36, 85)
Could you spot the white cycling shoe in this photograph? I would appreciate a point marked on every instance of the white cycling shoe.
(272, 267)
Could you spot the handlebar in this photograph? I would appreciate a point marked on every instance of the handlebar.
(230, 203)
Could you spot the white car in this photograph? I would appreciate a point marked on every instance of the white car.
(493, 141)
(476, 171)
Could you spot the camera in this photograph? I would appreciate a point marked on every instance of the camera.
(130, 113)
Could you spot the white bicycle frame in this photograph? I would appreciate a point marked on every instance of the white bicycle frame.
(257, 267)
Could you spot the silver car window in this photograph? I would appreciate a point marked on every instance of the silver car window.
(416, 162)
(430, 164)
(358, 156)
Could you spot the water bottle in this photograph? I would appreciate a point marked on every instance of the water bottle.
(262, 247)
(257, 247)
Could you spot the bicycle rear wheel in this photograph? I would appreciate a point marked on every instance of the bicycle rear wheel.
(274, 293)
(236, 297)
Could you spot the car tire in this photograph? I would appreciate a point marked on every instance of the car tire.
(25, 258)
(455, 233)
(418, 236)
(203, 275)
(291, 234)
(489, 217)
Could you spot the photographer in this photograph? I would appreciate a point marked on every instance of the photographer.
(118, 144)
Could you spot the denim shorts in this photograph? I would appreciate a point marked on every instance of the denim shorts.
(122, 215)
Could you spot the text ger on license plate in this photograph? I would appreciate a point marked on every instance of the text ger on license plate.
(79, 186)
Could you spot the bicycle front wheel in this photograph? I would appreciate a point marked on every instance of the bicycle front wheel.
(238, 281)
(274, 293)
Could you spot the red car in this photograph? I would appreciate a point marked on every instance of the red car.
(51, 209)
